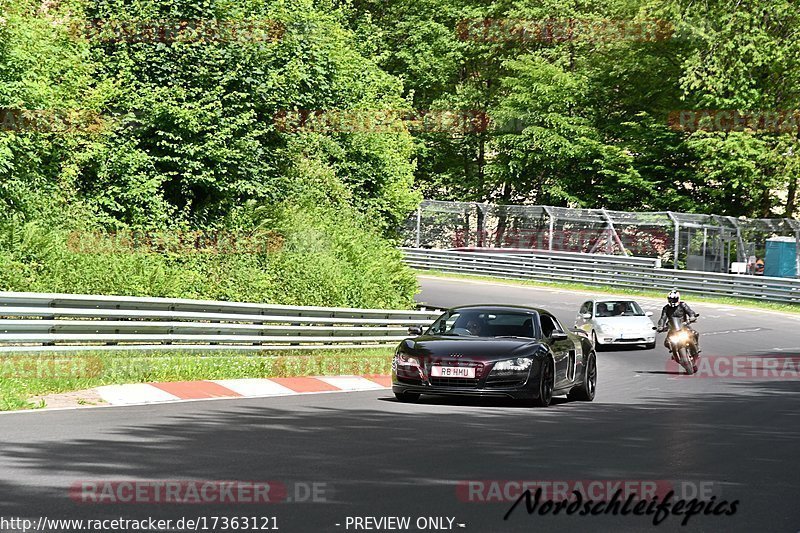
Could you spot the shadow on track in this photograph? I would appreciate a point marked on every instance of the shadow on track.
(381, 457)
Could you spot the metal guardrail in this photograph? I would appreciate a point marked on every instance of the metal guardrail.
(596, 271)
(31, 321)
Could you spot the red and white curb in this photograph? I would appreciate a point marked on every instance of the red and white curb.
(143, 393)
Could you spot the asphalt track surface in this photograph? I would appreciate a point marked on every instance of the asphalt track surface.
(736, 438)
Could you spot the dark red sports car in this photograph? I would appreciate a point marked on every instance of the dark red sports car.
(495, 350)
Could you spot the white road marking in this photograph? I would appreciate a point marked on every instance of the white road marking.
(135, 393)
(726, 332)
(254, 387)
(351, 383)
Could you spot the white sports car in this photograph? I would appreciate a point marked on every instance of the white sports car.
(616, 322)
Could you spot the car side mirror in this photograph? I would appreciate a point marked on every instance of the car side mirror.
(415, 330)
(558, 336)
(648, 313)
(586, 316)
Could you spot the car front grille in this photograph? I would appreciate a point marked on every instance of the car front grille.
(455, 382)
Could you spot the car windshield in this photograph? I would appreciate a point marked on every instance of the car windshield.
(479, 323)
(618, 308)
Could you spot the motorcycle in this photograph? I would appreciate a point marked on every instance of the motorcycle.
(682, 344)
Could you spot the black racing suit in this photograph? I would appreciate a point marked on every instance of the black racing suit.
(682, 311)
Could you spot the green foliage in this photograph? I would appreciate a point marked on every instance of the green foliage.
(310, 256)
(180, 134)
(592, 109)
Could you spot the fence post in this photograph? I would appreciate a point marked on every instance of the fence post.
(552, 227)
(797, 253)
(677, 239)
(612, 232)
(419, 223)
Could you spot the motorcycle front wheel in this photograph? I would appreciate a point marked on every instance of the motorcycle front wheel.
(686, 361)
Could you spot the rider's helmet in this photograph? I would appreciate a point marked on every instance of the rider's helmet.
(674, 298)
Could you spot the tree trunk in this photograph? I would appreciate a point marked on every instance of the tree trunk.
(766, 202)
(791, 197)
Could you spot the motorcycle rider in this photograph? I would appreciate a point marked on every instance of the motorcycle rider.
(676, 308)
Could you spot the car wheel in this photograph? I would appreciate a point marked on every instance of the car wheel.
(650, 345)
(586, 390)
(546, 384)
(407, 397)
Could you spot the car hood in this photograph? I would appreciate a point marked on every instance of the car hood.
(471, 348)
(625, 322)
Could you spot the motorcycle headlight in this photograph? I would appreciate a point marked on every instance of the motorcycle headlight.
(679, 337)
(520, 364)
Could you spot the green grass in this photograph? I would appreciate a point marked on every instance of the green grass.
(23, 376)
(755, 304)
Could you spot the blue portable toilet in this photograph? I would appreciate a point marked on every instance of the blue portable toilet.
(781, 257)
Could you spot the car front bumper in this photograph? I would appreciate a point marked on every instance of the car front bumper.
(523, 387)
(643, 337)
(517, 393)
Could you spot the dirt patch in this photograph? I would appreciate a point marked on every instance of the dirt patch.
(81, 398)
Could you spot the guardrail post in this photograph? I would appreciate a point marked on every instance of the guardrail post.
(213, 343)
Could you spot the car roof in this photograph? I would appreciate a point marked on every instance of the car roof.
(500, 307)
(606, 300)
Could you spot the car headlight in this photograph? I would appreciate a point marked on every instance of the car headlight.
(520, 364)
(404, 360)
(608, 329)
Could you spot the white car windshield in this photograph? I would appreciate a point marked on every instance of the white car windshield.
(618, 308)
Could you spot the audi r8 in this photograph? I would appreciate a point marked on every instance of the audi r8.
(495, 351)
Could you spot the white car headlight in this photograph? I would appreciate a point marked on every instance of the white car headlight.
(520, 364)
(402, 359)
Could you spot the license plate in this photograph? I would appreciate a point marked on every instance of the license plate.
(453, 372)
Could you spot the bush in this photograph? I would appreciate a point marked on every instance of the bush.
(309, 256)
